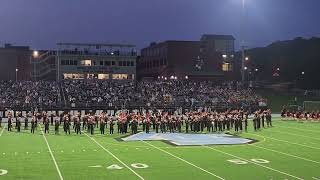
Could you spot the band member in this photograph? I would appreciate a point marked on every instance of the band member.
(157, 124)
(9, 122)
(91, 124)
(18, 124)
(51, 119)
(263, 115)
(33, 124)
(66, 125)
(46, 124)
(85, 122)
(255, 119)
(56, 125)
(77, 125)
(245, 121)
(258, 120)
(179, 124)
(148, 126)
(26, 122)
(38, 118)
(187, 125)
(268, 118)
(134, 126)
(163, 126)
(111, 126)
(102, 125)
(119, 127)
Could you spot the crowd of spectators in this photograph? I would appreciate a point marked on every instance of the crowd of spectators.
(111, 93)
(98, 93)
(157, 93)
(28, 94)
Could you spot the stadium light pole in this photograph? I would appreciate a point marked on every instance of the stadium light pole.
(35, 54)
(242, 43)
(17, 74)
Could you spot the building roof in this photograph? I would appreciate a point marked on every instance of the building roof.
(9, 46)
(96, 44)
(217, 37)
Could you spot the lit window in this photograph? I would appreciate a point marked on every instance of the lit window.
(73, 76)
(86, 62)
(119, 76)
(103, 76)
(226, 67)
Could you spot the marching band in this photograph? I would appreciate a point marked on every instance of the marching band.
(159, 122)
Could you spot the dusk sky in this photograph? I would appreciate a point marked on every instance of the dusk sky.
(43, 23)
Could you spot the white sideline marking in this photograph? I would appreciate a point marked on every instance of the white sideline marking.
(254, 163)
(298, 157)
(298, 135)
(286, 141)
(54, 160)
(114, 156)
(184, 160)
(299, 129)
(303, 123)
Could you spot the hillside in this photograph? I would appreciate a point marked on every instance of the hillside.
(292, 57)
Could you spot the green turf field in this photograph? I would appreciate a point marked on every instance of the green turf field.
(289, 150)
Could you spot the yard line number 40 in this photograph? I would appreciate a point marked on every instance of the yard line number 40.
(135, 165)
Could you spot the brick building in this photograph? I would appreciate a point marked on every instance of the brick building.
(15, 63)
(210, 58)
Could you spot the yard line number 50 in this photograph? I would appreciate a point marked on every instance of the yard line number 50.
(241, 162)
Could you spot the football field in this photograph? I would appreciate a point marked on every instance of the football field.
(289, 150)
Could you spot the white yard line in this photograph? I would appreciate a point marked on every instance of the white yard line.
(287, 154)
(281, 172)
(134, 172)
(184, 160)
(286, 141)
(54, 160)
(2, 130)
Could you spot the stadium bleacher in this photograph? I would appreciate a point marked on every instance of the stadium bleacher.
(94, 93)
